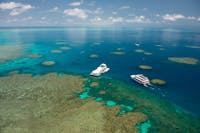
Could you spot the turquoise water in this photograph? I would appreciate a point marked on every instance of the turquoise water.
(182, 86)
(143, 128)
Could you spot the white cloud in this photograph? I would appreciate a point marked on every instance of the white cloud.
(16, 8)
(96, 20)
(138, 19)
(98, 11)
(9, 5)
(77, 3)
(198, 19)
(191, 17)
(124, 7)
(173, 17)
(100, 21)
(55, 9)
(12, 20)
(76, 12)
(116, 20)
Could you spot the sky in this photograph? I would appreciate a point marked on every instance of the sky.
(144, 13)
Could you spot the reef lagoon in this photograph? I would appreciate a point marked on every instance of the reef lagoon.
(45, 84)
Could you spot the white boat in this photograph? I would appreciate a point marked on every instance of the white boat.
(141, 79)
(100, 70)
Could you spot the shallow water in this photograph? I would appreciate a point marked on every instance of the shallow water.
(182, 80)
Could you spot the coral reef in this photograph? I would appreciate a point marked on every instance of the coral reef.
(119, 49)
(142, 51)
(94, 84)
(158, 82)
(49, 103)
(61, 43)
(145, 67)
(158, 113)
(184, 60)
(13, 72)
(9, 52)
(34, 55)
(139, 51)
(147, 53)
(56, 51)
(94, 56)
(117, 53)
(65, 48)
(192, 46)
(48, 63)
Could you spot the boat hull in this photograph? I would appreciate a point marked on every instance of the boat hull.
(99, 71)
(146, 83)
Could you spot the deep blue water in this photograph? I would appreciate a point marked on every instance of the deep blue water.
(182, 86)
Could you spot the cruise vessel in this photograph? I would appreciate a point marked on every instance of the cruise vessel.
(100, 70)
(141, 79)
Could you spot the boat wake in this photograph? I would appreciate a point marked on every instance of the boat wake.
(156, 90)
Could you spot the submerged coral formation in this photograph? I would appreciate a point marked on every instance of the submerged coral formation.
(147, 53)
(13, 72)
(146, 103)
(48, 63)
(56, 51)
(49, 103)
(192, 46)
(139, 51)
(144, 127)
(117, 53)
(162, 49)
(34, 55)
(111, 103)
(145, 67)
(102, 92)
(97, 43)
(65, 48)
(158, 82)
(94, 84)
(94, 56)
(184, 60)
(9, 52)
(142, 51)
(119, 49)
(61, 42)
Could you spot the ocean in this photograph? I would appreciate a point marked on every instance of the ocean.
(80, 50)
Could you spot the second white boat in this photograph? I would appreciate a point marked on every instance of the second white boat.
(100, 70)
(141, 79)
